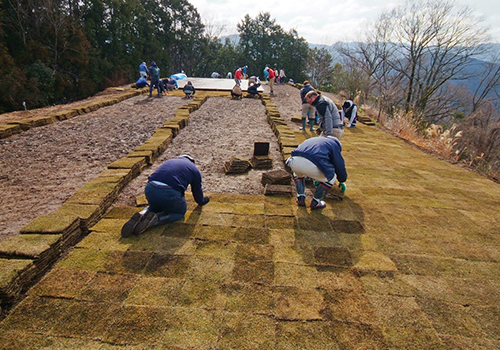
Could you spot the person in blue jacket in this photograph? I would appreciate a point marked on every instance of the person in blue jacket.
(142, 82)
(165, 195)
(320, 159)
(143, 70)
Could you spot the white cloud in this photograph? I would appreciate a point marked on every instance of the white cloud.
(321, 21)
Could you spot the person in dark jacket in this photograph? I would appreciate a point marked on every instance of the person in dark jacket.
(189, 90)
(350, 111)
(253, 90)
(165, 194)
(330, 122)
(308, 111)
(320, 159)
(154, 73)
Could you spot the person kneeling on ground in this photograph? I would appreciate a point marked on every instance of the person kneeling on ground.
(236, 92)
(141, 83)
(320, 159)
(165, 195)
(252, 90)
(189, 90)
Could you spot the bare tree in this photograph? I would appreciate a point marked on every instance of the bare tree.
(435, 41)
(489, 82)
(413, 51)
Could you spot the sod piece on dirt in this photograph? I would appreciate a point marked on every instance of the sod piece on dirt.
(295, 274)
(375, 263)
(252, 235)
(15, 340)
(357, 335)
(190, 328)
(245, 331)
(449, 318)
(248, 208)
(251, 298)
(58, 222)
(126, 262)
(167, 265)
(295, 304)
(107, 287)
(414, 337)
(36, 315)
(85, 260)
(306, 335)
(255, 221)
(210, 269)
(279, 222)
(217, 233)
(61, 283)
(278, 190)
(28, 246)
(260, 272)
(223, 250)
(157, 292)
(333, 256)
(348, 306)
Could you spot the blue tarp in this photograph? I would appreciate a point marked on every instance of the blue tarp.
(178, 76)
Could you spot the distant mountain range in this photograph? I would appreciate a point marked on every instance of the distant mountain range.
(475, 66)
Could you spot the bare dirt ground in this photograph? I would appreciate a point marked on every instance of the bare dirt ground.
(42, 167)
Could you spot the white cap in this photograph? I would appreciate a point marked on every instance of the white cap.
(187, 156)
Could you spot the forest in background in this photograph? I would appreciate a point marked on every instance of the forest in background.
(56, 51)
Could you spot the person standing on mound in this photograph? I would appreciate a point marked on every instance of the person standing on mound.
(165, 195)
(320, 159)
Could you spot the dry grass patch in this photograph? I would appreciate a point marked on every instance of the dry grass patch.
(216, 233)
(85, 259)
(138, 325)
(296, 275)
(253, 298)
(107, 287)
(279, 222)
(129, 261)
(306, 335)
(450, 319)
(85, 320)
(215, 249)
(347, 306)
(36, 315)
(62, 283)
(189, 328)
(260, 272)
(209, 268)
(295, 304)
(244, 331)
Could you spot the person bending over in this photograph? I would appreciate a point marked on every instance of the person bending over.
(320, 159)
(165, 195)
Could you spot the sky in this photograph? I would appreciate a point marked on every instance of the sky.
(323, 22)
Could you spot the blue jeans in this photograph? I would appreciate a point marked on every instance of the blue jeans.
(154, 83)
(166, 201)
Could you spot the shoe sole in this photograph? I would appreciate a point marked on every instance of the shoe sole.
(145, 223)
(129, 227)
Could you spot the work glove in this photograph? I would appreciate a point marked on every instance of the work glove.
(342, 187)
(205, 200)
